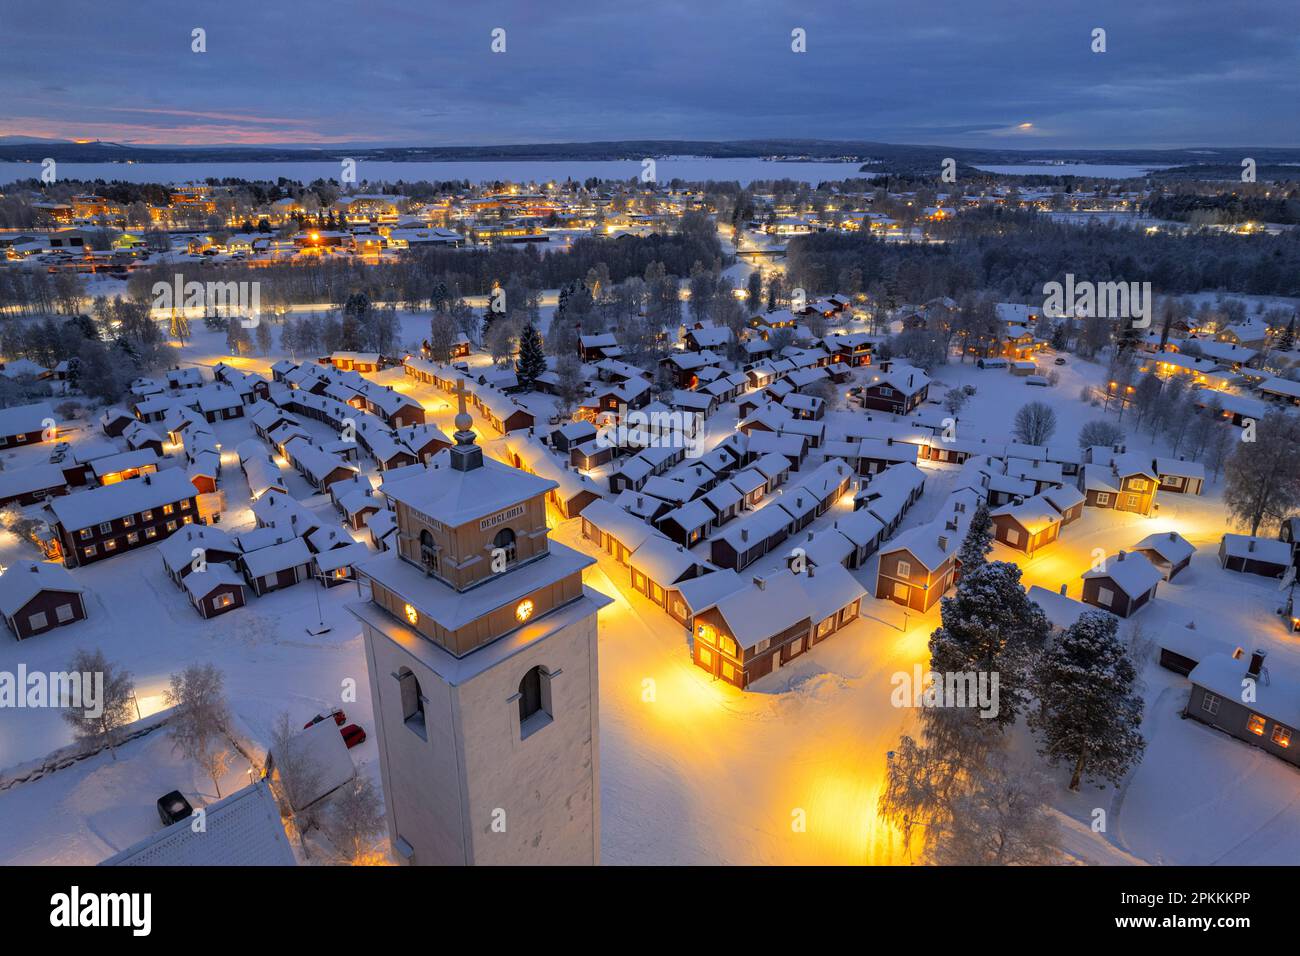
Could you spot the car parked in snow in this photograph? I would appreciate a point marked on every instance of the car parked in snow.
(173, 807)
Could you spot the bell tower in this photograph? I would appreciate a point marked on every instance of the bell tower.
(481, 649)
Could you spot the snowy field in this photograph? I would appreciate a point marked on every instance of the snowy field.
(693, 771)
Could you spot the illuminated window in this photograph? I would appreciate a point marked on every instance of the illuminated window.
(168, 509)
(1281, 736)
(1255, 724)
(524, 610)
(412, 614)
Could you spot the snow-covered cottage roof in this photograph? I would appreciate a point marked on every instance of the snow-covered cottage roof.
(244, 829)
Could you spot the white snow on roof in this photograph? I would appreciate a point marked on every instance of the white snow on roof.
(1132, 573)
(244, 829)
(23, 580)
(85, 508)
(1277, 697)
(1257, 549)
(322, 748)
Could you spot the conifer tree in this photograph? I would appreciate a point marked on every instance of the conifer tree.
(532, 360)
(1090, 715)
(979, 538)
(991, 627)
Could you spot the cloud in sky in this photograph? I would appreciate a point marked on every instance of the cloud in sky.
(1175, 73)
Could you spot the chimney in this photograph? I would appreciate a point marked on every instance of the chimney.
(943, 542)
(810, 535)
(1251, 546)
(1256, 662)
(1064, 589)
(759, 582)
(1173, 536)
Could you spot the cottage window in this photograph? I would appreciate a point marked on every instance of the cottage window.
(1281, 735)
(171, 525)
(705, 654)
(147, 516)
(84, 533)
(63, 613)
(904, 569)
(824, 627)
(128, 521)
(1255, 724)
(188, 519)
(91, 551)
(37, 621)
(1210, 703)
(106, 527)
(1132, 501)
(133, 538)
(1105, 597)
(534, 701)
(901, 591)
(1103, 498)
(110, 544)
(185, 506)
(168, 509)
(412, 701)
(1138, 484)
(151, 532)
(224, 599)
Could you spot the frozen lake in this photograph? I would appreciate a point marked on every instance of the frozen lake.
(695, 168)
(1101, 171)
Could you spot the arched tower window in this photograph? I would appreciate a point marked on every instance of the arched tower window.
(505, 541)
(428, 551)
(412, 700)
(534, 701)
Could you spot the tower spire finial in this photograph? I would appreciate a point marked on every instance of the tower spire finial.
(465, 455)
(464, 436)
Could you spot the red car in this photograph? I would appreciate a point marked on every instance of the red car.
(353, 735)
(336, 713)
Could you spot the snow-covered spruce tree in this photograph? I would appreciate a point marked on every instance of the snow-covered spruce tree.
(1090, 715)
(979, 538)
(532, 359)
(990, 626)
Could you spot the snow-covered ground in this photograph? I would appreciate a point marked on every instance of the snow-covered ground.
(693, 771)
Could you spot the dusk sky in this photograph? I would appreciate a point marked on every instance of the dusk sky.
(1176, 72)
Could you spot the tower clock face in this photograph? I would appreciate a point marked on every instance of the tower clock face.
(524, 610)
